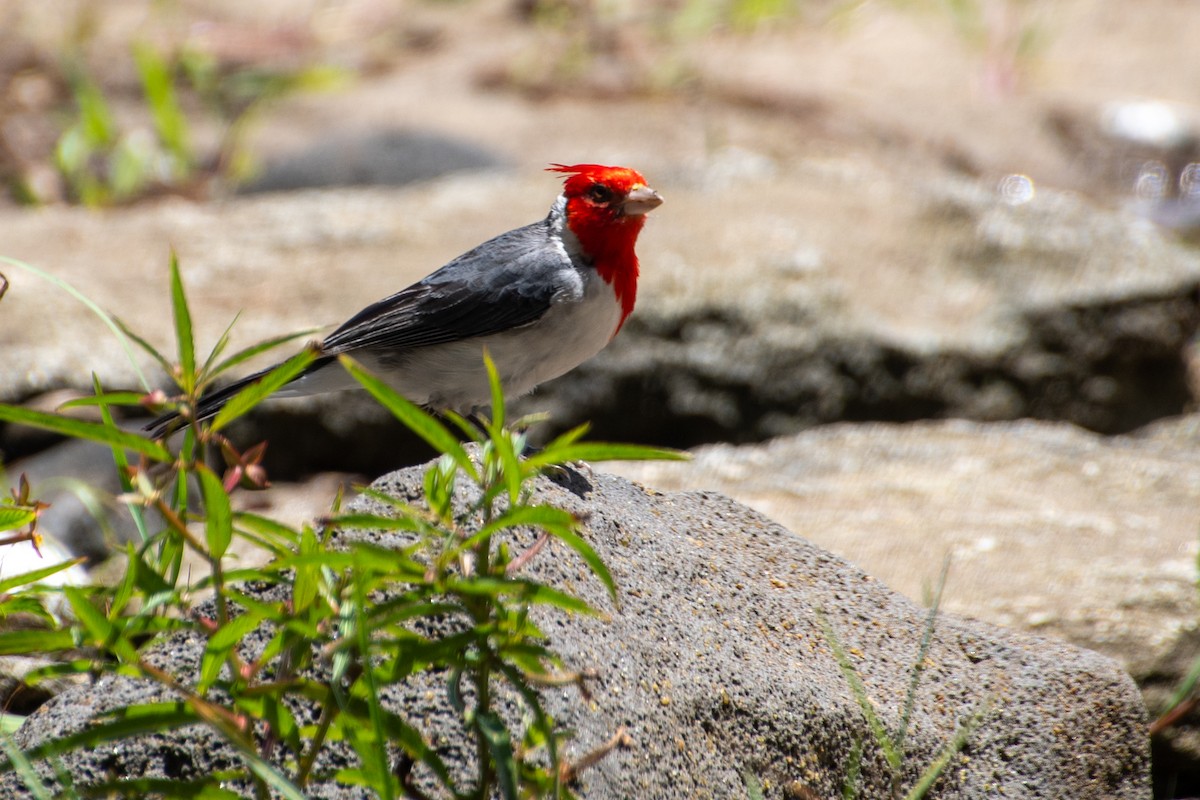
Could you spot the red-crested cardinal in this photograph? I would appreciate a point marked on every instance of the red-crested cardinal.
(541, 299)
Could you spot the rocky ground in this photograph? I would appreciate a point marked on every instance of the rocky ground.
(878, 222)
(714, 664)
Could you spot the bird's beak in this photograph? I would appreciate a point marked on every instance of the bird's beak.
(640, 200)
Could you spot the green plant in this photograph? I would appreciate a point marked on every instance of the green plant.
(237, 99)
(893, 744)
(326, 624)
(104, 161)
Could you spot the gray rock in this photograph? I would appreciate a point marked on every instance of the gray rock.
(716, 666)
(373, 158)
(1050, 528)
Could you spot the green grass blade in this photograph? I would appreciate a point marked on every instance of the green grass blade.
(104, 317)
(83, 429)
(957, 742)
(544, 517)
(170, 124)
(497, 391)
(529, 592)
(470, 429)
(122, 723)
(754, 789)
(1189, 682)
(385, 782)
(918, 667)
(205, 788)
(261, 389)
(543, 723)
(183, 329)
(510, 462)
(878, 731)
(853, 770)
(163, 362)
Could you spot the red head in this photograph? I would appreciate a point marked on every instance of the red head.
(606, 208)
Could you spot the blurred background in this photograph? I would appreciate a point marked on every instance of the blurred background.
(940, 255)
(115, 102)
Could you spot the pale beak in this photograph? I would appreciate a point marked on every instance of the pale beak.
(640, 201)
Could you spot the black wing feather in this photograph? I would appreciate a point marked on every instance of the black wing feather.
(504, 283)
(524, 274)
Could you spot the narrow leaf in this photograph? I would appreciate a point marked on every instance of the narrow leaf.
(121, 723)
(499, 744)
(109, 399)
(113, 325)
(206, 788)
(529, 591)
(122, 463)
(248, 353)
(577, 543)
(33, 576)
(15, 643)
(260, 389)
(183, 329)
(104, 633)
(83, 429)
(605, 451)
(497, 390)
(150, 349)
(416, 420)
(878, 731)
(16, 517)
(218, 522)
(219, 645)
(931, 773)
(23, 766)
(218, 348)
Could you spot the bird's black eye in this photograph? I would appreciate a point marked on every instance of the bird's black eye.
(600, 194)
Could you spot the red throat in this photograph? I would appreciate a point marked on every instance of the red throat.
(606, 235)
(610, 244)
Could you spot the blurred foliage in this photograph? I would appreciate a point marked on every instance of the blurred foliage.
(162, 109)
(615, 46)
(100, 114)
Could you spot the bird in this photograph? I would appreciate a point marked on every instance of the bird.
(540, 299)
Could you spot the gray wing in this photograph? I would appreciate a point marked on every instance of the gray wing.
(507, 282)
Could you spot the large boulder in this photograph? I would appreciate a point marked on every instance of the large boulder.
(1050, 528)
(716, 665)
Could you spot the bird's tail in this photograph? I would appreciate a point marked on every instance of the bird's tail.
(211, 403)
